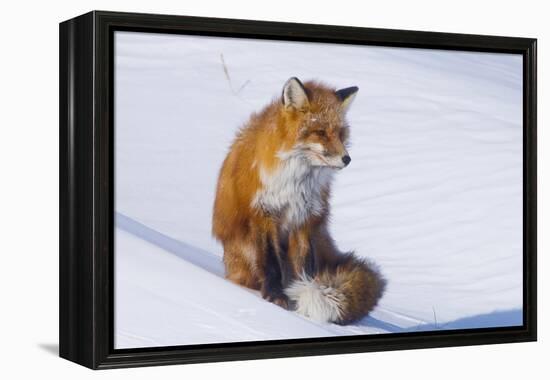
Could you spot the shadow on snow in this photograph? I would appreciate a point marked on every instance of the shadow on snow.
(187, 252)
(504, 318)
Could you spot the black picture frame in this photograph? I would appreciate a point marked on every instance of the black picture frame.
(87, 180)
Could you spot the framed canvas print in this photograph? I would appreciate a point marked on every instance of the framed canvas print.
(236, 189)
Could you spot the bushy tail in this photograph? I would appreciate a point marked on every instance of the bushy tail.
(341, 293)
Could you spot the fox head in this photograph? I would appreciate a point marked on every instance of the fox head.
(314, 116)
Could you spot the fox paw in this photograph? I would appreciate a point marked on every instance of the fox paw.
(278, 299)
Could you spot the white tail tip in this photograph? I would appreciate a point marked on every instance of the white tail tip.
(314, 300)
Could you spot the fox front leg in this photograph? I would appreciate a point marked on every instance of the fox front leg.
(273, 267)
(301, 254)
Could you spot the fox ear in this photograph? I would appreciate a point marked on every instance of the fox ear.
(294, 95)
(346, 96)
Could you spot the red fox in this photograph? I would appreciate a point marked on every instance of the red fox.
(271, 209)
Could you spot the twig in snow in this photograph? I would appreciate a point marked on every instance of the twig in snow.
(228, 77)
(226, 72)
(435, 317)
(243, 86)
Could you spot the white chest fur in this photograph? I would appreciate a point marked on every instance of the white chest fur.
(293, 191)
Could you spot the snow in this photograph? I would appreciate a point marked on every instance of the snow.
(433, 194)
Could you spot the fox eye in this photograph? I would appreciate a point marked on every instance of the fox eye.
(320, 133)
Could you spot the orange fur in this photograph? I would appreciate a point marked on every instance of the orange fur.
(263, 248)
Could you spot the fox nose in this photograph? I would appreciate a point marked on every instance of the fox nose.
(346, 159)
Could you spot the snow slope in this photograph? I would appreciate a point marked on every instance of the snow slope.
(433, 194)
